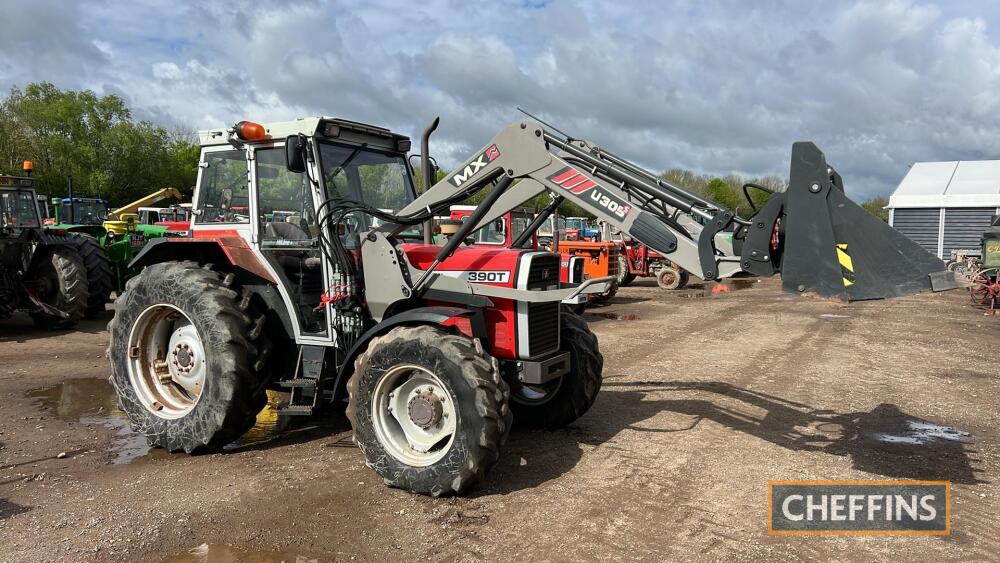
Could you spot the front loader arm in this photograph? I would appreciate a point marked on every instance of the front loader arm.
(521, 152)
(818, 239)
(149, 199)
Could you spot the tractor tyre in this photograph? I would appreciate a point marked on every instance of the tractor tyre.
(60, 281)
(669, 278)
(561, 401)
(188, 356)
(429, 409)
(100, 277)
(624, 277)
(685, 279)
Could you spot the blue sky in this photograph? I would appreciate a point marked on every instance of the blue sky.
(715, 87)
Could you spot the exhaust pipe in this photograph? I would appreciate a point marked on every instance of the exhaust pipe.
(427, 172)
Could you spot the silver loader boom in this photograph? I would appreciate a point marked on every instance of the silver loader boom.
(819, 240)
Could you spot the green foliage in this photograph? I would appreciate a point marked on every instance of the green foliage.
(727, 191)
(95, 140)
(875, 206)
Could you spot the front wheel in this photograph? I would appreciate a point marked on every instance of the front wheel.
(429, 410)
(563, 400)
(187, 357)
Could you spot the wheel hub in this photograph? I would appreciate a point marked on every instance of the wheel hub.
(425, 409)
(414, 415)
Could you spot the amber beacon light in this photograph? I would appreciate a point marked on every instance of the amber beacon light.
(250, 131)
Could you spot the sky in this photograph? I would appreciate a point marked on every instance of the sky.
(715, 87)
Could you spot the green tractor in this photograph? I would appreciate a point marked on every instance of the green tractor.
(109, 239)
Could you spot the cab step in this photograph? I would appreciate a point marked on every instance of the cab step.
(296, 410)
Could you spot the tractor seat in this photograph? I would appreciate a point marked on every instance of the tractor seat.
(285, 231)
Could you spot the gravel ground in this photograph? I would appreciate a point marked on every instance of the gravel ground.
(704, 401)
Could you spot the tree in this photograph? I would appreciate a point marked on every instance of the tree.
(94, 140)
(876, 206)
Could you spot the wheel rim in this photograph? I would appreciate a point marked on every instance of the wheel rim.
(668, 278)
(167, 364)
(414, 415)
(47, 284)
(535, 394)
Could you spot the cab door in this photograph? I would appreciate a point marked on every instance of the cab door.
(285, 231)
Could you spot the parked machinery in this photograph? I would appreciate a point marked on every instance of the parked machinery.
(984, 287)
(436, 347)
(109, 239)
(638, 260)
(41, 272)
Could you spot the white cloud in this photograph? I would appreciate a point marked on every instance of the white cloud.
(716, 87)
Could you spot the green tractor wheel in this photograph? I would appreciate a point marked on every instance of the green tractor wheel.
(100, 277)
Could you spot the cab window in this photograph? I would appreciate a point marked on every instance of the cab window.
(224, 194)
(284, 200)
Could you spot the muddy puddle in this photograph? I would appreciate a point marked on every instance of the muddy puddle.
(614, 316)
(92, 401)
(218, 553)
(692, 293)
(920, 433)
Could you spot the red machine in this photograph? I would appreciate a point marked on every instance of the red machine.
(638, 260)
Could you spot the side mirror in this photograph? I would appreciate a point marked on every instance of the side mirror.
(295, 158)
(498, 226)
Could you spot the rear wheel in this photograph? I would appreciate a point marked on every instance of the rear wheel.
(58, 279)
(187, 357)
(100, 278)
(429, 410)
(563, 400)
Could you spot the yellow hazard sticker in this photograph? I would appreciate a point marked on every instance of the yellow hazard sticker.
(846, 265)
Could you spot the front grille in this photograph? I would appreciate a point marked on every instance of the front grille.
(613, 260)
(543, 328)
(543, 272)
(538, 323)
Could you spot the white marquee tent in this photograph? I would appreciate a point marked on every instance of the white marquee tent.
(946, 206)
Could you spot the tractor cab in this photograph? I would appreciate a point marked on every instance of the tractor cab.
(251, 192)
(81, 210)
(18, 204)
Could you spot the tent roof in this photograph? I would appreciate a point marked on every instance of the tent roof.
(958, 183)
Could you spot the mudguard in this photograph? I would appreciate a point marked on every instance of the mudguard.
(232, 250)
(421, 315)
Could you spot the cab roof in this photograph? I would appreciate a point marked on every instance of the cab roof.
(16, 181)
(324, 127)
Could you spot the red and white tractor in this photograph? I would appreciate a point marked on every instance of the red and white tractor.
(308, 268)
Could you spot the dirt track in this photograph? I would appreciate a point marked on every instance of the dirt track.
(704, 401)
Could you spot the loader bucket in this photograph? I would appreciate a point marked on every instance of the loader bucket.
(833, 248)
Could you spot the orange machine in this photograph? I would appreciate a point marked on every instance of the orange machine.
(600, 260)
